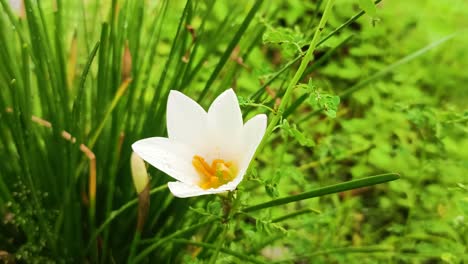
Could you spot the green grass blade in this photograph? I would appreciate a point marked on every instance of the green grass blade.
(340, 187)
(296, 59)
(76, 110)
(159, 241)
(344, 25)
(395, 65)
(224, 250)
(119, 211)
(294, 214)
(231, 46)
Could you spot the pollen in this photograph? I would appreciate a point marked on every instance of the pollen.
(218, 173)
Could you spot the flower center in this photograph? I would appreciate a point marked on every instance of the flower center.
(219, 173)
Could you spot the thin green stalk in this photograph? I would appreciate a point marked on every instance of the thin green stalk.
(23, 140)
(324, 39)
(133, 246)
(345, 24)
(393, 66)
(220, 241)
(159, 241)
(259, 92)
(457, 120)
(76, 109)
(325, 160)
(119, 211)
(294, 214)
(120, 92)
(234, 42)
(261, 106)
(312, 67)
(224, 250)
(340, 187)
(345, 250)
(159, 90)
(386, 70)
(76, 130)
(305, 61)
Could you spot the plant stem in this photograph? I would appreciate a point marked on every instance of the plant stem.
(133, 246)
(218, 245)
(305, 61)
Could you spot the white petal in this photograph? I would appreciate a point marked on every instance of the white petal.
(169, 156)
(184, 190)
(252, 135)
(225, 124)
(186, 120)
(16, 5)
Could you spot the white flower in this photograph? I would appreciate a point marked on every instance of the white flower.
(206, 153)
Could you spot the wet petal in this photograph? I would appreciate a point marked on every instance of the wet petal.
(184, 190)
(169, 156)
(186, 120)
(252, 135)
(225, 124)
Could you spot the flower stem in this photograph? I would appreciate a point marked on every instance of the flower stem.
(218, 245)
(305, 61)
(133, 246)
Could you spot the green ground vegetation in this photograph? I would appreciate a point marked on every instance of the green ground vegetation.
(353, 89)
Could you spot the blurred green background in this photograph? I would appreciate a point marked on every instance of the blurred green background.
(386, 92)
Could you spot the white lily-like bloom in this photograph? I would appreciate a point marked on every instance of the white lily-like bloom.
(206, 152)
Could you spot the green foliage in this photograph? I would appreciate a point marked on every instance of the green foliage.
(292, 131)
(322, 101)
(368, 6)
(291, 40)
(353, 89)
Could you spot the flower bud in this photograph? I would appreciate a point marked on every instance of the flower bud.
(126, 63)
(139, 173)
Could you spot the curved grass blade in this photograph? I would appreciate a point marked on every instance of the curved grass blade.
(340, 187)
(395, 65)
(294, 214)
(119, 211)
(224, 250)
(159, 241)
(386, 70)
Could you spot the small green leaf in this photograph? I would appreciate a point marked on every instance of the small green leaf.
(368, 6)
(326, 102)
(214, 207)
(272, 183)
(243, 101)
(268, 227)
(292, 131)
(292, 40)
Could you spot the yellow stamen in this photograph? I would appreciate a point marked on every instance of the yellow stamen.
(219, 173)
